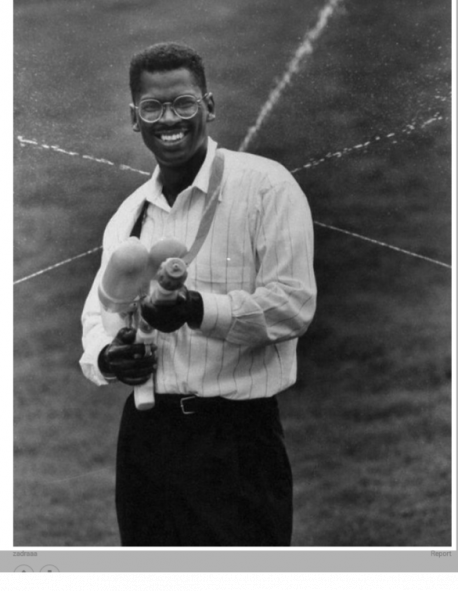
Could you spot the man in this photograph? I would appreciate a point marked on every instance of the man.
(207, 465)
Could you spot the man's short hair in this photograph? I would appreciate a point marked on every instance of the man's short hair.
(164, 57)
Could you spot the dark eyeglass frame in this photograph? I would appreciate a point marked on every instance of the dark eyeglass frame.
(171, 104)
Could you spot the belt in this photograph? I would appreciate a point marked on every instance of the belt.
(189, 404)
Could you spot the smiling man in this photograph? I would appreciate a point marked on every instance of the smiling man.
(207, 465)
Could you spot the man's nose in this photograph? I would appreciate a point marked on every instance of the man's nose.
(168, 113)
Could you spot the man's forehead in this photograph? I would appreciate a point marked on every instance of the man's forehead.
(168, 80)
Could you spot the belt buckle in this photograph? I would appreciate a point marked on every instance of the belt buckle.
(183, 410)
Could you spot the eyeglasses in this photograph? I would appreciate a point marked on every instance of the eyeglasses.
(185, 106)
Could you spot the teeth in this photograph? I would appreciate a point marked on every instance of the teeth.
(172, 137)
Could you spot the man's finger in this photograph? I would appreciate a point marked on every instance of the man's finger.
(135, 372)
(135, 351)
(132, 364)
(126, 335)
(134, 381)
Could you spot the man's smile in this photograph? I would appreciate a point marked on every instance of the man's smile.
(171, 137)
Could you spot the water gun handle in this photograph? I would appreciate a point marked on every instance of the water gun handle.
(144, 394)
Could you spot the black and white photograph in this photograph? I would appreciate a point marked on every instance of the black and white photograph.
(233, 274)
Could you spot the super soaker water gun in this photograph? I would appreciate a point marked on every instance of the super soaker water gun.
(132, 274)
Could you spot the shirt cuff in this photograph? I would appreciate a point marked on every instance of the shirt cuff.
(89, 361)
(217, 317)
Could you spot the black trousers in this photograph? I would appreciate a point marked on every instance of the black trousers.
(217, 477)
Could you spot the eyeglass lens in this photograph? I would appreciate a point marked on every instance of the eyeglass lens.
(185, 107)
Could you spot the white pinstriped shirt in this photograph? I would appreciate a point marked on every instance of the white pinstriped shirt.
(254, 272)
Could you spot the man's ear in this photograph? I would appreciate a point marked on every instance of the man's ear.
(210, 107)
(134, 118)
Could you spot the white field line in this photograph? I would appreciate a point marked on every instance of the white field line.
(392, 136)
(304, 50)
(56, 265)
(27, 142)
(384, 244)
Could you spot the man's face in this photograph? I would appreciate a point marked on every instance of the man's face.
(173, 141)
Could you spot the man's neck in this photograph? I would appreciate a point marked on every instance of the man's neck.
(177, 179)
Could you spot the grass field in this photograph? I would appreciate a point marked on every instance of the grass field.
(368, 424)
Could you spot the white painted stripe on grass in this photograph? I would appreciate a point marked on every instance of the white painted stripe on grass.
(384, 244)
(55, 266)
(304, 50)
(406, 130)
(24, 142)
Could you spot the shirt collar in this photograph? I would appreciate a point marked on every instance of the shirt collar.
(201, 181)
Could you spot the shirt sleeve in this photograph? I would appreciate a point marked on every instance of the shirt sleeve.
(94, 337)
(283, 303)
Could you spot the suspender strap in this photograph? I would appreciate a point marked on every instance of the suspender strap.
(137, 227)
(211, 201)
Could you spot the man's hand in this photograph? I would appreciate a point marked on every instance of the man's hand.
(132, 363)
(170, 316)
